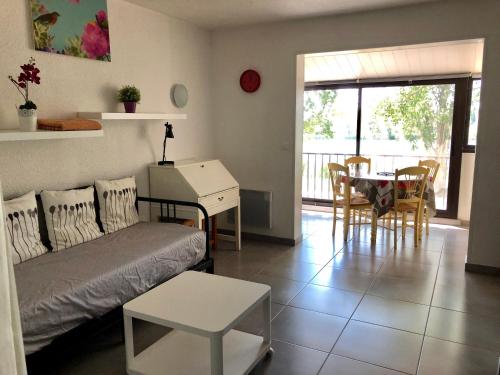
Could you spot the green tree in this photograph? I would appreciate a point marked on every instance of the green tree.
(318, 112)
(422, 114)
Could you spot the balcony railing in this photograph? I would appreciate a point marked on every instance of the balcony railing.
(316, 184)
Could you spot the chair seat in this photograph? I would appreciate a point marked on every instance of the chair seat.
(356, 201)
(405, 207)
(358, 194)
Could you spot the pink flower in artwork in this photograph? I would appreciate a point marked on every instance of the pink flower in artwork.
(95, 41)
(101, 17)
(74, 1)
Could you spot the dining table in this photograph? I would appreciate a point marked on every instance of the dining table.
(379, 190)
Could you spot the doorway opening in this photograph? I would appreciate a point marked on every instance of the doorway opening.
(396, 106)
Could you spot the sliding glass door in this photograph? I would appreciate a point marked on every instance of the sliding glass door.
(396, 124)
(330, 130)
(401, 125)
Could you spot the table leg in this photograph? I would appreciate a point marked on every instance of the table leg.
(347, 221)
(395, 229)
(374, 226)
(129, 340)
(237, 229)
(216, 355)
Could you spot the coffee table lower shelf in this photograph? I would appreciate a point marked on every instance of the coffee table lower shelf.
(184, 353)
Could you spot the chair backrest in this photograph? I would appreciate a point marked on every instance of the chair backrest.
(432, 166)
(355, 163)
(409, 185)
(339, 177)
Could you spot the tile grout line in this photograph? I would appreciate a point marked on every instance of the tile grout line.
(365, 294)
(430, 307)
(349, 319)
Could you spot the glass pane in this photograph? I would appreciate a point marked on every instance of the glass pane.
(330, 118)
(405, 124)
(474, 111)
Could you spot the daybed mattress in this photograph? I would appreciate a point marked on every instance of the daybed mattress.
(59, 291)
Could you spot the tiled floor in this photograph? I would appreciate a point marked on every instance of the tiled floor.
(370, 309)
(352, 308)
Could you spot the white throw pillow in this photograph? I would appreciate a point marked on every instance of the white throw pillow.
(70, 217)
(23, 234)
(117, 203)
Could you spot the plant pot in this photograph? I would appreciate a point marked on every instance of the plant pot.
(129, 107)
(27, 120)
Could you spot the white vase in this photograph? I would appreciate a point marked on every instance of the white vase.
(27, 120)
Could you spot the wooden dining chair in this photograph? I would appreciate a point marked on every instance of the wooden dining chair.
(339, 176)
(433, 167)
(356, 165)
(409, 187)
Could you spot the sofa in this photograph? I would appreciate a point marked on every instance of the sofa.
(62, 292)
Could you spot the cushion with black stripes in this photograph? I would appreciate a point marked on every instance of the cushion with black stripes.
(117, 203)
(23, 233)
(70, 217)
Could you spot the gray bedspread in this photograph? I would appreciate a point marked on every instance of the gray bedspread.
(59, 291)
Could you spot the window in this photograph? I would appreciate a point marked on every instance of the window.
(396, 124)
(471, 130)
(401, 125)
(330, 129)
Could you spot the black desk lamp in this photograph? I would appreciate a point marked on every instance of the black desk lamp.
(168, 134)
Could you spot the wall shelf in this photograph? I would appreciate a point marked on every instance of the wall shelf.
(15, 135)
(131, 116)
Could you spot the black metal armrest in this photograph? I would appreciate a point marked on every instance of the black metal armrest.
(184, 203)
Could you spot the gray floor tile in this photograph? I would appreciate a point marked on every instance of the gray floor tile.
(307, 255)
(327, 300)
(398, 268)
(386, 347)
(392, 313)
(404, 289)
(344, 279)
(336, 365)
(289, 359)
(416, 256)
(449, 358)
(254, 322)
(356, 262)
(474, 330)
(307, 328)
(299, 271)
(282, 290)
(471, 298)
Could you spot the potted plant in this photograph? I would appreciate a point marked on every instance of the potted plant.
(129, 95)
(27, 111)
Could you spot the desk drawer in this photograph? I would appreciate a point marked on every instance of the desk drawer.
(222, 198)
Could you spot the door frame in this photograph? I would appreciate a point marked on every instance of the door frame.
(461, 102)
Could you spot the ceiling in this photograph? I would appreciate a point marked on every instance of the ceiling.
(435, 59)
(213, 14)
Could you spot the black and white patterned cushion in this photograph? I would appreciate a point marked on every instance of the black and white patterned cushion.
(117, 203)
(70, 216)
(23, 234)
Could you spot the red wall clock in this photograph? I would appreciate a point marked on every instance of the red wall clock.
(250, 80)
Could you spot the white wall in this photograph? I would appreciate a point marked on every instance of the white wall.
(256, 133)
(465, 193)
(149, 50)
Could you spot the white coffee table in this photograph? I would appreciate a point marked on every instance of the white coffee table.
(202, 309)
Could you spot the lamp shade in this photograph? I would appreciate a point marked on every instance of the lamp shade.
(169, 133)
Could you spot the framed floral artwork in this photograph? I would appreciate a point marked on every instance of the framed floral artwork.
(72, 27)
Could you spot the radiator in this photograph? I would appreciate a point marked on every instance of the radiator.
(255, 209)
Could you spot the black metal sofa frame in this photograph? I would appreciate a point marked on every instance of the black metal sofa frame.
(74, 339)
